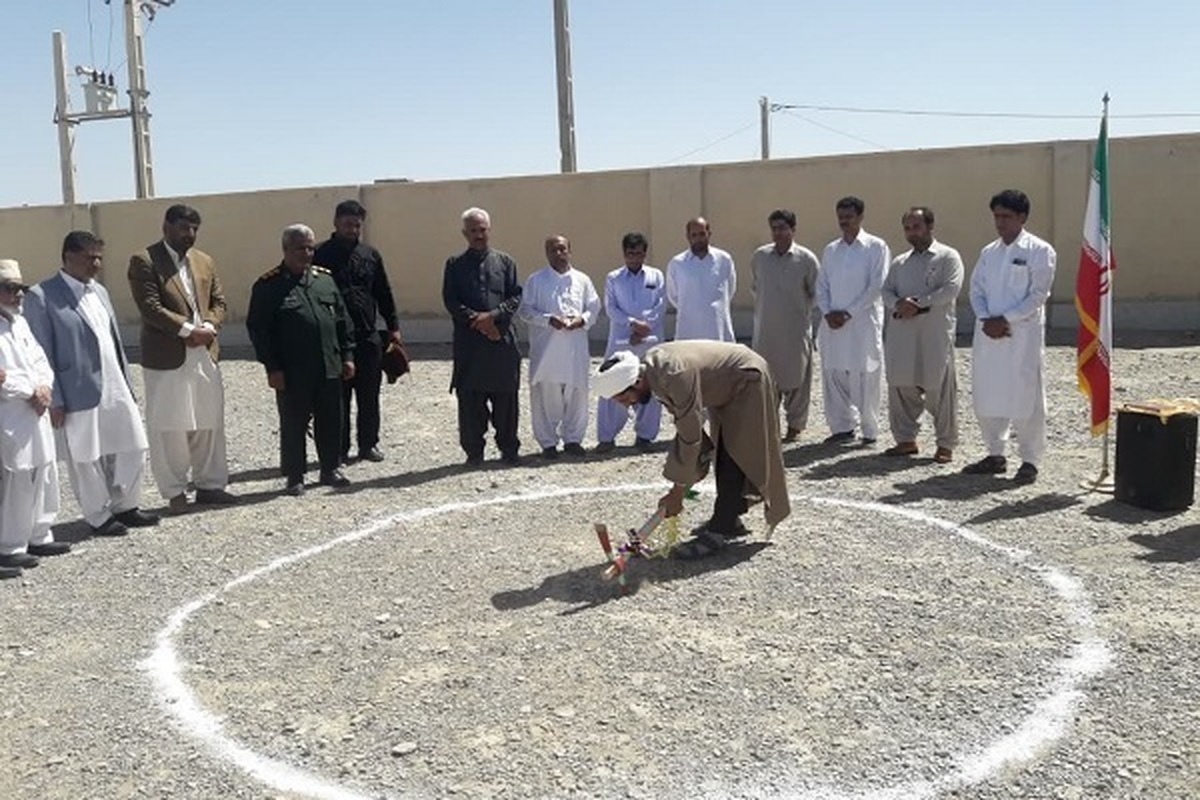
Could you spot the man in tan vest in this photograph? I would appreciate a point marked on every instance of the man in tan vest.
(177, 290)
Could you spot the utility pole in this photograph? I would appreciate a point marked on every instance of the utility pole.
(66, 137)
(566, 102)
(764, 115)
(143, 169)
(100, 95)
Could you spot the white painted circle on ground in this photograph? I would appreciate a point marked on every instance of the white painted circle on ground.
(1048, 720)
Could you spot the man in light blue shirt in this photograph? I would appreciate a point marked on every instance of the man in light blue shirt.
(634, 298)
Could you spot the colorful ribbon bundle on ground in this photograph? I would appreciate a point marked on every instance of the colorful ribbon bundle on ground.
(657, 536)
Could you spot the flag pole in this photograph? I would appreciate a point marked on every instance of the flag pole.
(1104, 482)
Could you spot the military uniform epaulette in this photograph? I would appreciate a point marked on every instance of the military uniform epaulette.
(271, 273)
(320, 269)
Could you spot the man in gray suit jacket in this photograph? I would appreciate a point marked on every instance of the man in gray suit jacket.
(93, 407)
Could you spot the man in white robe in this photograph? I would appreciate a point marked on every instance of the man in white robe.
(1009, 289)
(28, 473)
(635, 301)
(920, 295)
(182, 304)
(559, 304)
(99, 427)
(701, 283)
(785, 293)
(850, 340)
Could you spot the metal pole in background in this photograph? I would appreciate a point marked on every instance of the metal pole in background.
(566, 102)
(764, 113)
(66, 137)
(143, 169)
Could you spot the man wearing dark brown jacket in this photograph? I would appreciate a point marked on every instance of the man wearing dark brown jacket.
(179, 295)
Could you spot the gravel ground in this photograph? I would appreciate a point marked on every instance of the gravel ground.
(458, 640)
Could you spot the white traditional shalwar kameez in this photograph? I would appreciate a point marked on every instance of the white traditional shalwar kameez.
(185, 411)
(1007, 381)
(28, 473)
(105, 446)
(785, 292)
(630, 296)
(558, 359)
(851, 280)
(702, 290)
(919, 351)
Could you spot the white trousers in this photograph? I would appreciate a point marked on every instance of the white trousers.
(611, 417)
(28, 506)
(1030, 433)
(852, 398)
(559, 412)
(173, 454)
(109, 485)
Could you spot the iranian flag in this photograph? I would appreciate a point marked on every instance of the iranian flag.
(1093, 292)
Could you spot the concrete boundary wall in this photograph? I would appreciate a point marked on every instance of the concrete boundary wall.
(1155, 183)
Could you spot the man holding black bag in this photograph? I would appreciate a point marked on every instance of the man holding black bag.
(360, 275)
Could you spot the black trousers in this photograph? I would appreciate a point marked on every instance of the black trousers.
(731, 492)
(320, 400)
(368, 377)
(476, 409)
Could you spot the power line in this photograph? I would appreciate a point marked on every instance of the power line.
(907, 112)
(108, 57)
(835, 130)
(713, 143)
(91, 36)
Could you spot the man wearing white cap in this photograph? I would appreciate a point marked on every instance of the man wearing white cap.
(28, 473)
(731, 385)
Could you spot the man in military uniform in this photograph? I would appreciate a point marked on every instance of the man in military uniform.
(481, 292)
(303, 336)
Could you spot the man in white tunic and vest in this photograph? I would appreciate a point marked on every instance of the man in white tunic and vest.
(635, 301)
(177, 290)
(785, 293)
(100, 433)
(701, 283)
(559, 304)
(920, 294)
(28, 472)
(849, 293)
(1009, 289)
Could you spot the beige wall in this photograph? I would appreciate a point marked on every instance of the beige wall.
(1155, 183)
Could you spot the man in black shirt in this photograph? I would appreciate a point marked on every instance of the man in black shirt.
(481, 292)
(360, 275)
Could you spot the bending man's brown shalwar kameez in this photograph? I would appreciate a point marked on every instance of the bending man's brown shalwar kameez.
(734, 385)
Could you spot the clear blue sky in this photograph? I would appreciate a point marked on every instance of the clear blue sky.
(274, 93)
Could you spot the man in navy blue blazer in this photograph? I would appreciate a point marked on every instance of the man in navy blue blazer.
(101, 436)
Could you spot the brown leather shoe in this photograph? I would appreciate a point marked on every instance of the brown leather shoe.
(792, 434)
(902, 449)
(944, 455)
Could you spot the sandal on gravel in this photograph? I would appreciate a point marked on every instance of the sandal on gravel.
(703, 546)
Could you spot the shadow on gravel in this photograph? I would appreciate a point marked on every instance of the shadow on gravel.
(870, 463)
(260, 474)
(72, 532)
(949, 487)
(1022, 509)
(584, 588)
(1116, 511)
(1175, 547)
